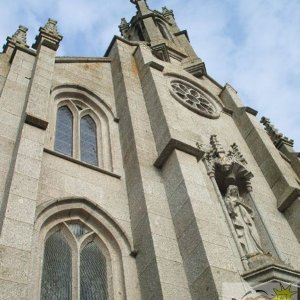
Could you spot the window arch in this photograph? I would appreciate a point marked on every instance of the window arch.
(81, 101)
(74, 266)
(84, 226)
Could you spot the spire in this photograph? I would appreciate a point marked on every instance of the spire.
(160, 31)
(48, 35)
(18, 38)
(142, 6)
(167, 13)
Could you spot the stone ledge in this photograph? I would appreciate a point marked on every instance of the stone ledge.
(182, 32)
(172, 145)
(79, 59)
(249, 110)
(71, 159)
(36, 122)
(272, 272)
(155, 65)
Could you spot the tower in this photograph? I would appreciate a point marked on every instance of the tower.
(136, 175)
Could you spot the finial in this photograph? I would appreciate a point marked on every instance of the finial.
(141, 5)
(274, 133)
(51, 27)
(136, 1)
(124, 27)
(48, 35)
(167, 12)
(216, 145)
(18, 38)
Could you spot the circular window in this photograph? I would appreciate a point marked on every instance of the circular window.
(193, 98)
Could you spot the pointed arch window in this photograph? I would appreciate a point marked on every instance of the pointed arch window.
(64, 131)
(163, 30)
(88, 140)
(76, 133)
(74, 266)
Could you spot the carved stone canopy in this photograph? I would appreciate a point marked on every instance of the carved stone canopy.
(227, 167)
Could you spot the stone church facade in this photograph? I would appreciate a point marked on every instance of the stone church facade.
(136, 175)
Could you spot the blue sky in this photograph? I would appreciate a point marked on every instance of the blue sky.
(252, 44)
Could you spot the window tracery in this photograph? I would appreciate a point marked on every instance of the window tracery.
(193, 98)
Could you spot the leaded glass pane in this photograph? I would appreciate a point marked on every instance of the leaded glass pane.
(56, 277)
(78, 229)
(88, 140)
(93, 277)
(64, 131)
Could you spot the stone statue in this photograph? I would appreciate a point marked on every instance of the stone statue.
(242, 219)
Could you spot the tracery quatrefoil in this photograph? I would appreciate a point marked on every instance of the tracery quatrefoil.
(193, 98)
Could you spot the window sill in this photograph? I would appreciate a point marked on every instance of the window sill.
(81, 163)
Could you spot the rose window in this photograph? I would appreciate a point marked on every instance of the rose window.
(193, 98)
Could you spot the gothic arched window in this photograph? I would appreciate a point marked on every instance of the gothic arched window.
(64, 131)
(75, 127)
(163, 30)
(73, 265)
(88, 140)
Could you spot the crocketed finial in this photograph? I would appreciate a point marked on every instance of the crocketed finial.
(18, 38)
(274, 133)
(50, 34)
(51, 27)
(124, 27)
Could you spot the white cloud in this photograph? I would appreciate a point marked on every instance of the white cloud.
(254, 44)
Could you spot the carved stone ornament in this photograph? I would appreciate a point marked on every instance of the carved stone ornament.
(193, 98)
(51, 27)
(232, 165)
(274, 133)
(18, 38)
(48, 35)
(242, 219)
(124, 28)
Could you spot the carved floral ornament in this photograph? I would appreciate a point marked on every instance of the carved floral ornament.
(193, 98)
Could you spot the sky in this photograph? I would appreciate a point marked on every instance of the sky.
(254, 45)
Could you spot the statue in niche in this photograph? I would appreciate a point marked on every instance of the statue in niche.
(242, 219)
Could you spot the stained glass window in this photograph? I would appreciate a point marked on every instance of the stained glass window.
(93, 278)
(57, 269)
(64, 131)
(88, 140)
